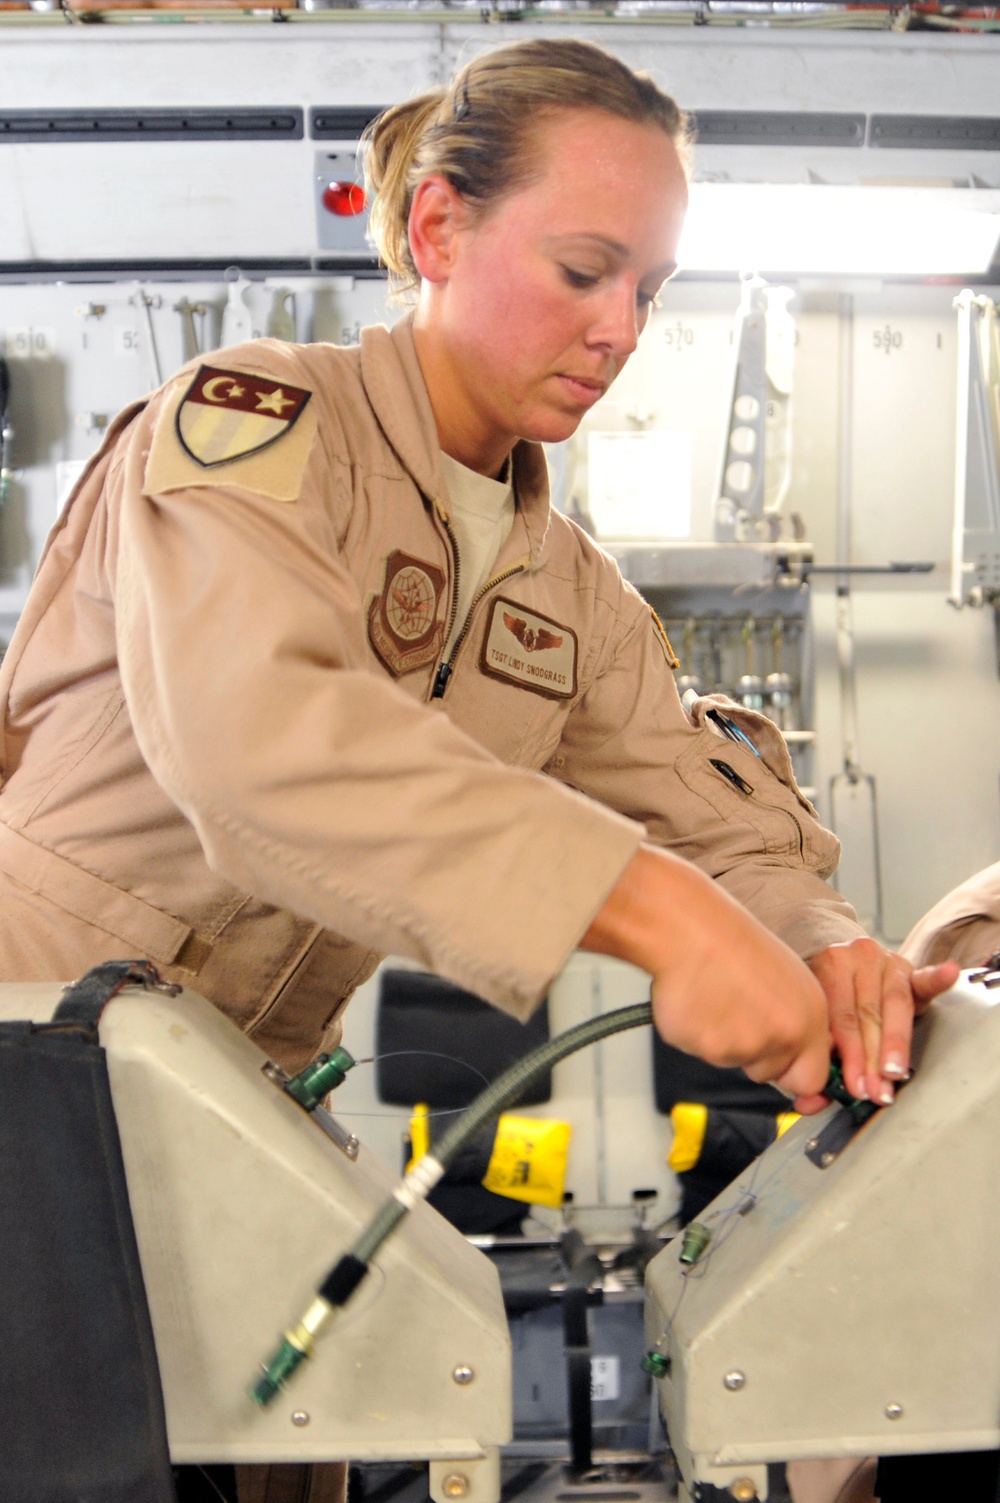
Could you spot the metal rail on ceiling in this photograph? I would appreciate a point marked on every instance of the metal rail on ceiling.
(798, 14)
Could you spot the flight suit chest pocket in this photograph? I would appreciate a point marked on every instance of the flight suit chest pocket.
(743, 791)
(521, 728)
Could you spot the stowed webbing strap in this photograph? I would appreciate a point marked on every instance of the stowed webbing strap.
(582, 1289)
(86, 999)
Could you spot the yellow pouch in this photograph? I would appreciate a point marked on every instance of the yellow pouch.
(529, 1160)
(689, 1119)
(420, 1134)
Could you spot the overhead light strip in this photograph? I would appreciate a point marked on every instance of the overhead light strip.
(804, 229)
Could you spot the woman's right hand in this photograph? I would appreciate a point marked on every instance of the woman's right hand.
(724, 988)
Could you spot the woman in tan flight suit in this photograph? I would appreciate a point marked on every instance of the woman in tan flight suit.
(307, 634)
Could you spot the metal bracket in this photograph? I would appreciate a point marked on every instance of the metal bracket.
(827, 1146)
(989, 974)
(346, 1141)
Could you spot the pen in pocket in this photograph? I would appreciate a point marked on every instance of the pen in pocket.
(731, 730)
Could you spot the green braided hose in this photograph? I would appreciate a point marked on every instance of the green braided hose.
(509, 1086)
(345, 1276)
(500, 1094)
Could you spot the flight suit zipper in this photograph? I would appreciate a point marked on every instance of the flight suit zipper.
(447, 665)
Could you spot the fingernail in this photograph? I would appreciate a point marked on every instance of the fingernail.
(895, 1068)
(886, 1096)
(861, 1091)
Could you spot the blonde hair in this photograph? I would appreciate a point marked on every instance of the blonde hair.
(482, 131)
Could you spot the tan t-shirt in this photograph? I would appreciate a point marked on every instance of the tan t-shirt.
(482, 515)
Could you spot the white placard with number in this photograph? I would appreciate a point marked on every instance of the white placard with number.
(126, 340)
(30, 344)
(605, 1378)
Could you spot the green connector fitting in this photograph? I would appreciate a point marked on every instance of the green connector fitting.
(322, 1075)
(277, 1373)
(835, 1087)
(696, 1238)
(837, 1091)
(656, 1364)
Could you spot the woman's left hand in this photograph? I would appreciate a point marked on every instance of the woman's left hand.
(873, 995)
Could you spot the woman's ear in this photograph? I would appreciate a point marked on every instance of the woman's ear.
(437, 215)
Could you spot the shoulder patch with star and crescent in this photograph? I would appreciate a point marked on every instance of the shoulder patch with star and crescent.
(235, 428)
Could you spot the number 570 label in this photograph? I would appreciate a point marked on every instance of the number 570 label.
(605, 1378)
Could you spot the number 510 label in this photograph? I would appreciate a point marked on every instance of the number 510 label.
(30, 344)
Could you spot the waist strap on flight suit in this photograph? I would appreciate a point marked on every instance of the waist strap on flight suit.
(145, 930)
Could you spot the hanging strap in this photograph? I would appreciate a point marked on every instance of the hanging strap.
(85, 1000)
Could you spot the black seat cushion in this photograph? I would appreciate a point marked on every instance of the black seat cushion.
(435, 1043)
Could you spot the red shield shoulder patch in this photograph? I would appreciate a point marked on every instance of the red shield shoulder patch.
(403, 625)
(227, 415)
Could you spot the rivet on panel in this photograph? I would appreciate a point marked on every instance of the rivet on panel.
(300, 1418)
(894, 1411)
(463, 1374)
(455, 1485)
(734, 1380)
(743, 1490)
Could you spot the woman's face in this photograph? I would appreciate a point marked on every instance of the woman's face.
(544, 296)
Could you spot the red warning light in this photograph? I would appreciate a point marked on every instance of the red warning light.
(346, 199)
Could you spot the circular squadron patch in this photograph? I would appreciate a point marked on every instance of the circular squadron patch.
(226, 415)
(403, 625)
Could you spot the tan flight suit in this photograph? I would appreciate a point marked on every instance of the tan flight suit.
(963, 926)
(219, 744)
(221, 749)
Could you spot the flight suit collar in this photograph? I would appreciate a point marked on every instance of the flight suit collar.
(395, 388)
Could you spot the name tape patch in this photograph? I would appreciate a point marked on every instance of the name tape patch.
(530, 650)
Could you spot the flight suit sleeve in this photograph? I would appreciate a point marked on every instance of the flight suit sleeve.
(312, 780)
(964, 925)
(739, 816)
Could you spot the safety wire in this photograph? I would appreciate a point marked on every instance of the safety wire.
(347, 1274)
(348, 1115)
(705, 1248)
(747, 1196)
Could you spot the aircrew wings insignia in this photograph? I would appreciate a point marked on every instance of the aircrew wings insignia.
(530, 639)
(532, 651)
(226, 415)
